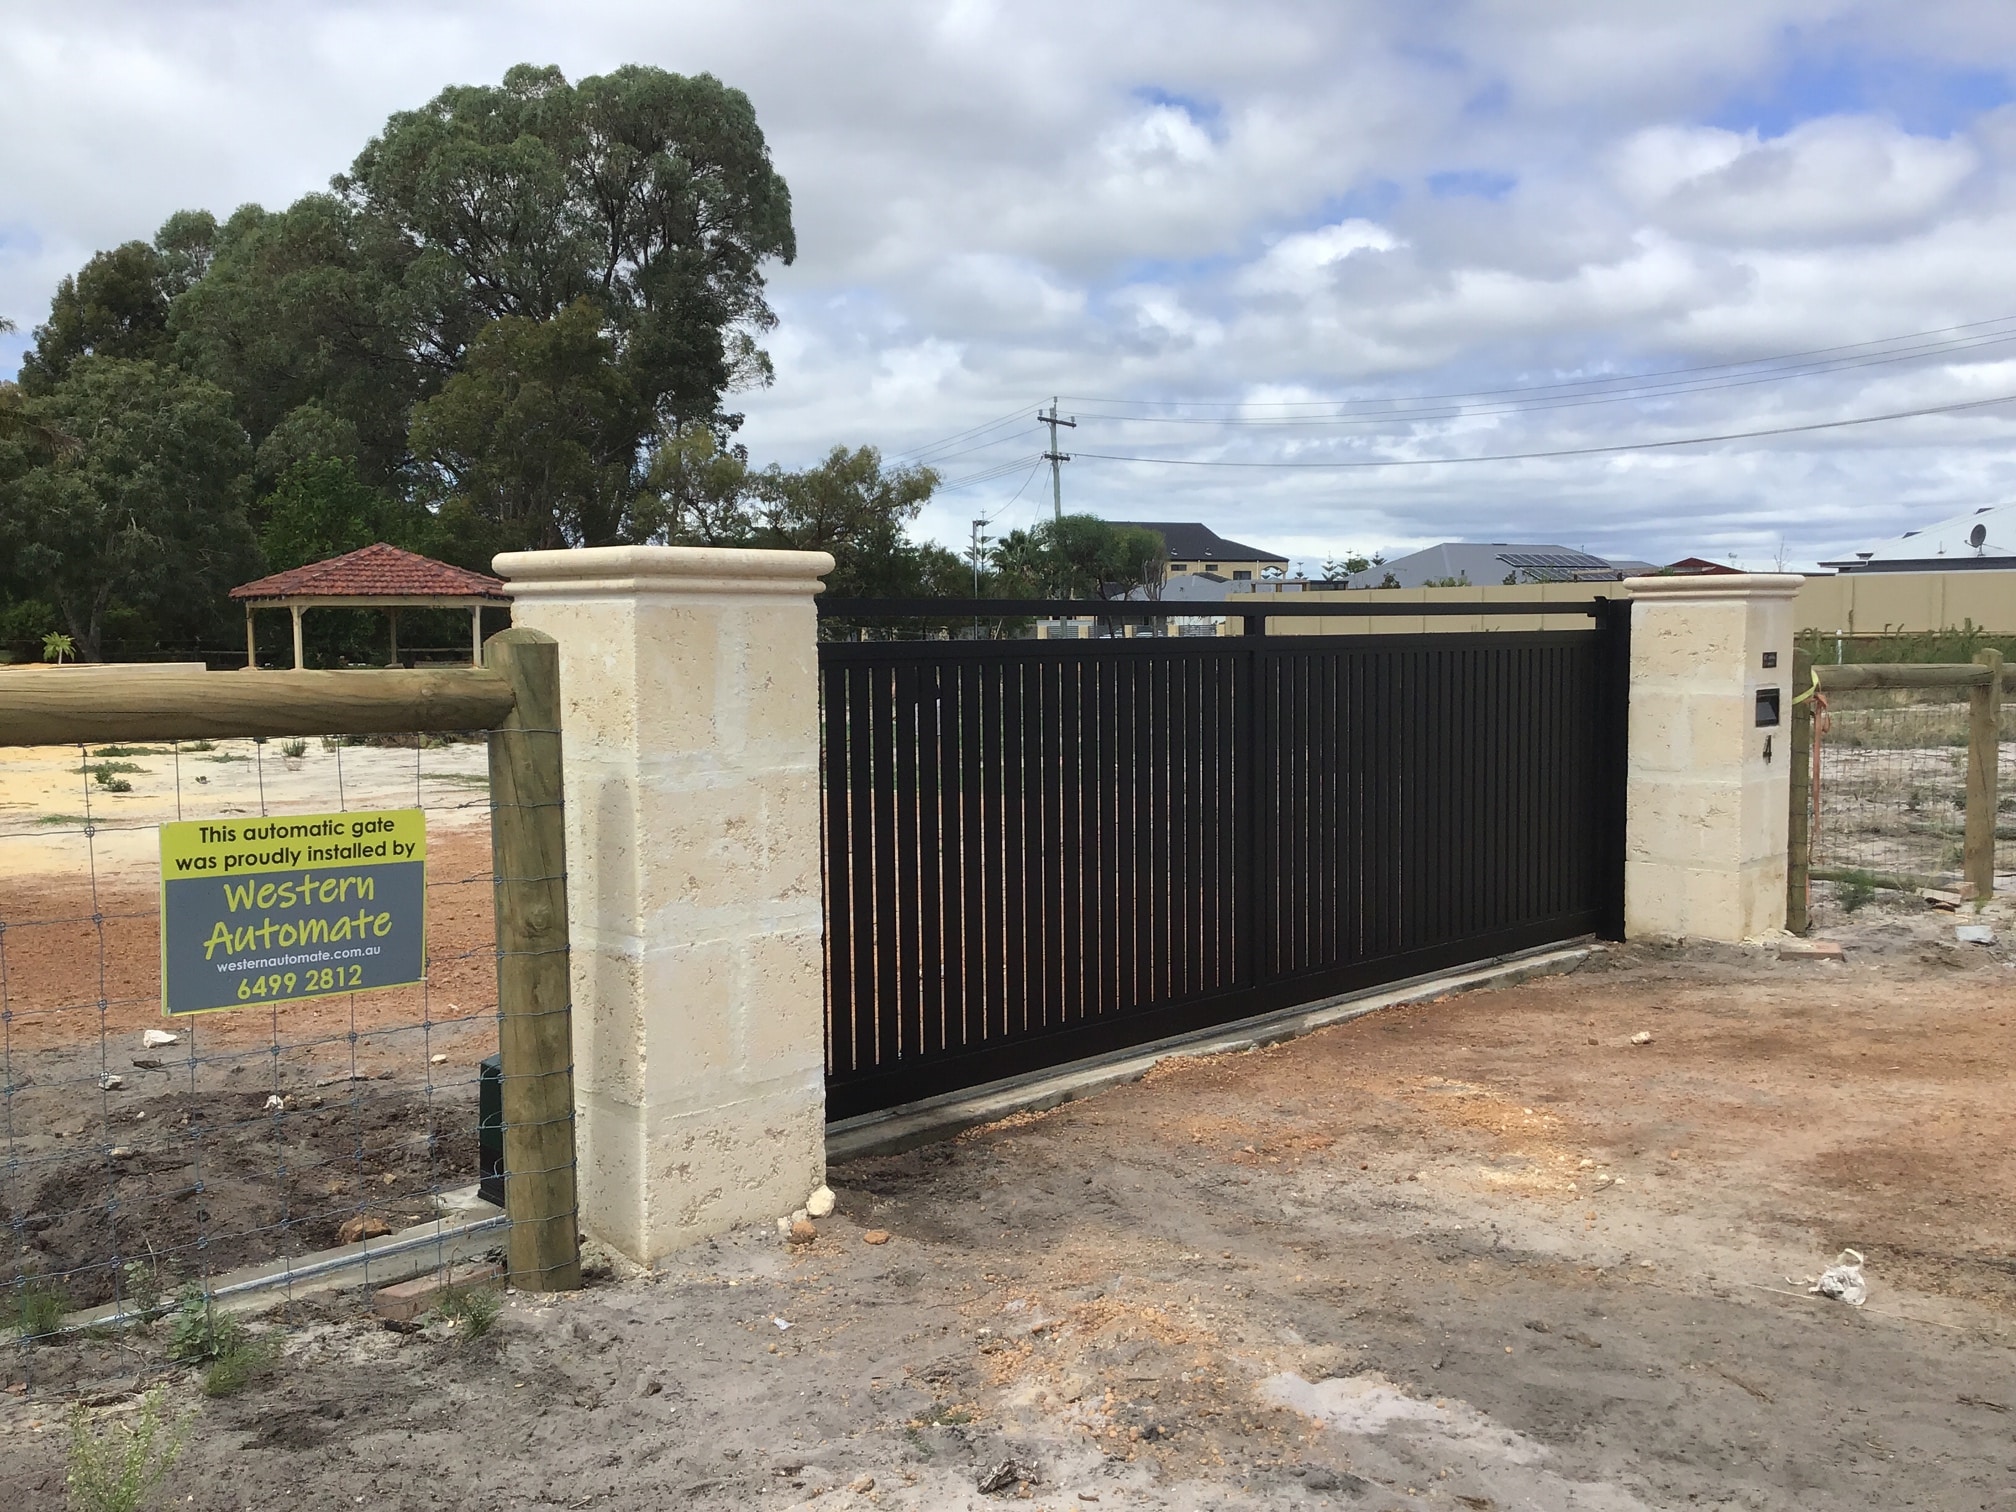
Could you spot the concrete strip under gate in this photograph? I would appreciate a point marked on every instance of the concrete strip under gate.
(936, 1118)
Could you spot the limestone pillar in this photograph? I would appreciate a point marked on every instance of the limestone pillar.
(689, 688)
(1709, 779)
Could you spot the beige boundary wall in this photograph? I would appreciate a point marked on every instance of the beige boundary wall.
(1869, 603)
(1400, 624)
(690, 698)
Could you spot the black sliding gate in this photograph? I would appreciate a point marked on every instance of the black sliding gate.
(1038, 851)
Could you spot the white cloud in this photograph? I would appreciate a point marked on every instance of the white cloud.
(1824, 180)
(1192, 201)
(1301, 264)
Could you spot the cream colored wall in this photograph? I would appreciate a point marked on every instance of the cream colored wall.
(1872, 602)
(690, 697)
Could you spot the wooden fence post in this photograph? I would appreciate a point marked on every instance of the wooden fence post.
(1799, 831)
(528, 841)
(1984, 749)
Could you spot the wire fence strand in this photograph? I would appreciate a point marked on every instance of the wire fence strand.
(262, 1149)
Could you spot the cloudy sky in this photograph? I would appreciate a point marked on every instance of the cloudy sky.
(1303, 232)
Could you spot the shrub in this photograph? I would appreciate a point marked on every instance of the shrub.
(1855, 891)
(141, 1283)
(244, 1360)
(201, 1333)
(117, 1471)
(294, 750)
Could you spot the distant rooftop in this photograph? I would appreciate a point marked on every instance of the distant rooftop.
(1190, 542)
(1487, 563)
(1981, 538)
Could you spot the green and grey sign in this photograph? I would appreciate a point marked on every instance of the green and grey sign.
(258, 911)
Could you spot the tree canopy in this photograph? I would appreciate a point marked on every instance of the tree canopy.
(1079, 556)
(146, 518)
(515, 321)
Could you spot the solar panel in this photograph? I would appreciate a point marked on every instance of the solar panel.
(1550, 559)
(1558, 567)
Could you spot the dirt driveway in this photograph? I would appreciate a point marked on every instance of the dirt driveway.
(1481, 1253)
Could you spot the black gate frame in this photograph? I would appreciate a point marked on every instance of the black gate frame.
(902, 1079)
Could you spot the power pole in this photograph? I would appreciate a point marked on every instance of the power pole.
(1055, 458)
(979, 551)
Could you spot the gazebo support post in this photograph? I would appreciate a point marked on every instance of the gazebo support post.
(393, 615)
(299, 661)
(251, 639)
(476, 634)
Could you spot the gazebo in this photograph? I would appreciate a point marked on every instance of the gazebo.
(377, 576)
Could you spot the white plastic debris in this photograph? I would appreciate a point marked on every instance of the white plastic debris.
(275, 1103)
(155, 1039)
(820, 1203)
(781, 1324)
(111, 1083)
(1974, 934)
(1843, 1280)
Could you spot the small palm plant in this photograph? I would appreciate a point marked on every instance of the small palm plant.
(58, 647)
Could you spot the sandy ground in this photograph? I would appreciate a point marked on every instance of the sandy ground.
(1482, 1253)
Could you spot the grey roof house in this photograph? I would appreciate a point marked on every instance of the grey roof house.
(1981, 539)
(1488, 563)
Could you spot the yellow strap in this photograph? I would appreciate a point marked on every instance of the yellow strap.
(1815, 671)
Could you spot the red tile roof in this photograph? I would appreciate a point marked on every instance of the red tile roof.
(374, 571)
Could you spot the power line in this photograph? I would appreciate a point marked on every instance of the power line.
(918, 452)
(1577, 383)
(1570, 451)
(989, 474)
(1400, 414)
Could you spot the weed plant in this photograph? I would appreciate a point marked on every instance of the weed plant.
(471, 1310)
(119, 1469)
(200, 1333)
(35, 1309)
(248, 1358)
(1855, 891)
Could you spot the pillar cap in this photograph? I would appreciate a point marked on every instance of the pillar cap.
(1717, 585)
(677, 571)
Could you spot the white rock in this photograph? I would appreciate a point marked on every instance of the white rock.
(783, 1230)
(1642, 1037)
(275, 1103)
(820, 1203)
(437, 1060)
(111, 1083)
(154, 1039)
(800, 1216)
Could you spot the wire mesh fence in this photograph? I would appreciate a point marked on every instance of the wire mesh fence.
(239, 1150)
(1890, 796)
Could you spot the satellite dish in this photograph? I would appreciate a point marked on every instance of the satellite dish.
(1977, 536)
